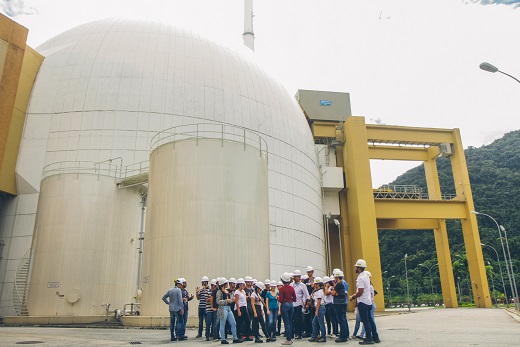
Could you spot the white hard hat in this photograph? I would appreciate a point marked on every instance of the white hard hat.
(267, 281)
(248, 279)
(204, 279)
(286, 277)
(305, 277)
(297, 273)
(338, 273)
(218, 278)
(222, 281)
(279, 283)
(369, 274)
(260, 285)
(318, 280)
(179, 281)
(325, 279)
(213, 282)
(273, 283)
(310, 268)
(254, 280)
(183, 280)
(336, 269)
(361, 263)
(241, 281)
(232, 280)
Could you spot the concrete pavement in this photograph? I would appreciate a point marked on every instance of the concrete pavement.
(435, 327)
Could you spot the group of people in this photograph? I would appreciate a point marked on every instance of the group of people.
(309, 306)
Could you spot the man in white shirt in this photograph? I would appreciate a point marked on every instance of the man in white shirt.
(364, 304)
(302, 296)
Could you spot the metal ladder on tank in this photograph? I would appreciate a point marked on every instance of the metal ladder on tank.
(21, 285)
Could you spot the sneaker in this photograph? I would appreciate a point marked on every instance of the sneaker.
(207, 338)
(258, 340)
(366, 342)
(173, 339)
(359, 337)
(224, 342)
(323, 339)
(248, 339)
(313, 339)
(198, 336)
(339, 339)
(377, 340)
(298, 337)
(181, 339)
(238, 341)
(287, 342)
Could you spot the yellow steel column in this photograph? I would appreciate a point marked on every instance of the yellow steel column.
(477, 270)
(364, 242)
(348, 262)
(449, 293)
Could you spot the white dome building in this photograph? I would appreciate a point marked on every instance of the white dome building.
(104, 90)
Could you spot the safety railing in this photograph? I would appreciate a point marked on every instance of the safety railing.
(83, 167)
(214, 131)
(409, 191)
(136, 169)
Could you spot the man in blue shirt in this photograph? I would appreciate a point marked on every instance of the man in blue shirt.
(340, 299)
(173, 298)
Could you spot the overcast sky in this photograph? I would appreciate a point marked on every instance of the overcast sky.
(411, 63)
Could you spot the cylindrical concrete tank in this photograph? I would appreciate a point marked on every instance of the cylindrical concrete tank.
(208, 209)
(84, 246)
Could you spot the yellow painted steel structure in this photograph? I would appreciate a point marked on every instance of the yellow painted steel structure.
(362, 214)
(19, 65)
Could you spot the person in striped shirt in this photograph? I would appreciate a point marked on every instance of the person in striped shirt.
(202, 295)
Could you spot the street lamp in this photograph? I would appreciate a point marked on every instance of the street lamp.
(500, 229)
(407, 287)
(515, 294)
(490, 68)
(430, 271)
(493, 285)
(500, 267)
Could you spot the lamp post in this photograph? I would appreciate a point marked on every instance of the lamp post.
(500, 229)
(389, 289)
(490, 68)
(430, 271)
(515, 294)
(493, 286)
(407, 287)
(500, 267)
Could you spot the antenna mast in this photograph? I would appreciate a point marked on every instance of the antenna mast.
(248, 35)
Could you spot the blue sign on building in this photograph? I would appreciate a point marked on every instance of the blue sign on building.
(324, 102)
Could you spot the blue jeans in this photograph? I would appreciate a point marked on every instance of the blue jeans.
(172, 324)
(318, 323)
(271, 321)
(179, 323)
(210, 326)
(369, 330)
(373, 319)
(287, 317)
(356, 327)
(340, 311)
(228, 317)
(202, 318)
(185, 316)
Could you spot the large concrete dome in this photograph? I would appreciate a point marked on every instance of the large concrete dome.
(107, 87)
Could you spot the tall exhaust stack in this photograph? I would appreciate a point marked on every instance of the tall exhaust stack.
(248, 35)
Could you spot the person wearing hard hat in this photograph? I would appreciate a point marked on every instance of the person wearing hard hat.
(332, 325)
(318, 321)
(202, 294)
(186, 298)
(173, 298)
(287, 298)
(340, 299)
(271, 301)
(302, 298)
(310, 273)
(364, 304)
(308, 311)
(243, 324)
(373, 293)
(258, 318)
(224, 299)
(249, 290)
(267, 284)
(231, 291)
(212, 330)
(279, 285)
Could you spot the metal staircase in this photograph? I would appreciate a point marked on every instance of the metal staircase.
(21, 286)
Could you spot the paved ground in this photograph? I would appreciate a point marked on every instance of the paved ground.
(435, 327)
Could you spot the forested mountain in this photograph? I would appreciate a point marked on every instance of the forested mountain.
(495, 180)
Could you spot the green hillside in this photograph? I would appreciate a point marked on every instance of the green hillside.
(495, 179)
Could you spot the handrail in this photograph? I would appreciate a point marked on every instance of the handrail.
(215, 131)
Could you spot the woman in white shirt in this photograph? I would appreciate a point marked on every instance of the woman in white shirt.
(244, 321)
(332, 325)
(318, 322)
